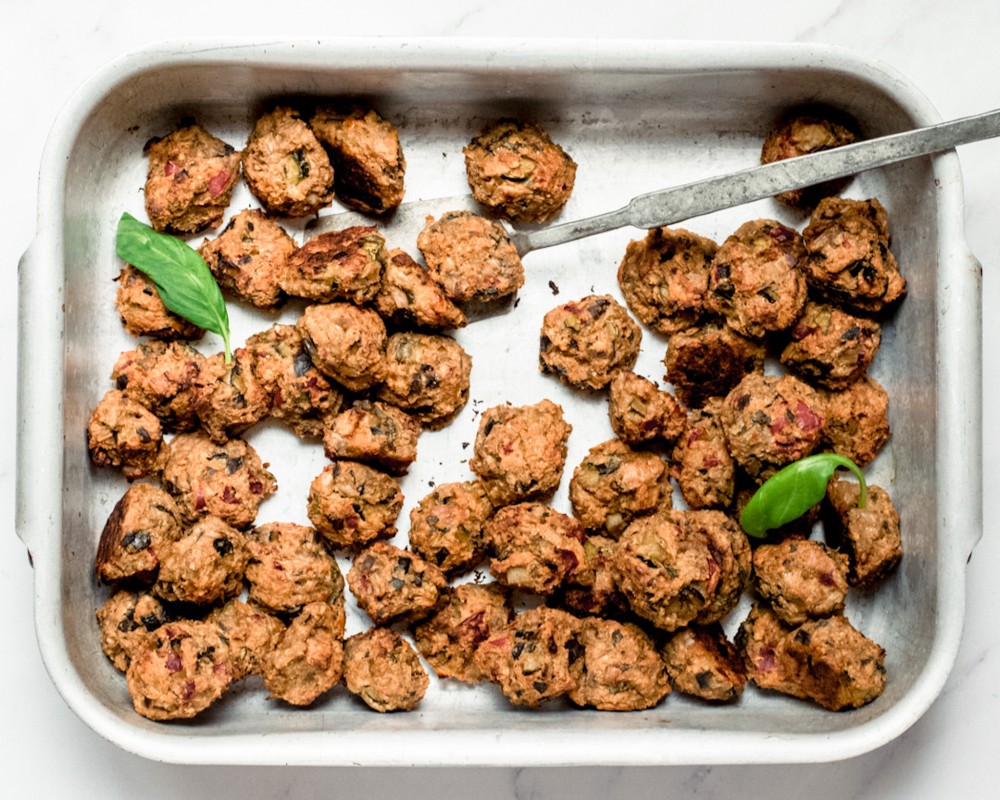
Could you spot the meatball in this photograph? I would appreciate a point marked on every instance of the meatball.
(204, 566)
(619, 668)
(351, 504)
(640, 412)
(226, 480)
(338, 265)
(799, 136)
(831, 348)
(771, 421)
(165, 377)
(249, 259)
(857, 420)
(286, 167)
(300, 395)
(710, 359)
(586, 341)
(308, 658)
(664, 278)
(520, 451)
(848, 257)
(383, 669)
(801, 579)
(410, 297)
(534, 547)
(426, 375)
(701, 464)
(446, 526)
(122, 434)
(518, 172)
(731, 559)
(592, 589)
(179, 670)
(233, 399)
(289, 568)
(125, 619)
(471, 257)
(347, 343)
(250, 632)
(755, 280)
(141, 525)
(614, 484)
(374, 433)
(531, 658)
(143, 313)
(368, 163)
(468, 615)
(869, 536)
(190, 180)
(701, 662)
(392, 584)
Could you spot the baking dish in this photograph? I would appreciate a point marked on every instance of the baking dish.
(635, 116)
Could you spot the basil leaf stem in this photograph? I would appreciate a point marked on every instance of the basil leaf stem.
(182, 278)
(793, 490)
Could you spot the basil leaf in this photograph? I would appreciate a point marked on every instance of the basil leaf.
(182, 278)
(793, 490)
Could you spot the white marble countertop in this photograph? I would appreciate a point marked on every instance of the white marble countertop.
(947, 49)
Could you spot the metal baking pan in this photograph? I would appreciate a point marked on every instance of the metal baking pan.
(636, 116)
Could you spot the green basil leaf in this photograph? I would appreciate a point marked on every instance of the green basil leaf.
(182, 278)
(793, 490)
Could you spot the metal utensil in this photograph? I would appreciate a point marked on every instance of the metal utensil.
(667, 206)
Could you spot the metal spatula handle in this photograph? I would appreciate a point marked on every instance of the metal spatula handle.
(668, 206)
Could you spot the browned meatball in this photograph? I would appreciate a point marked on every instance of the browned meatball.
(227, 480)
(347, 343)
(286, 167)
(801, 579)
(374, 433)
(393, 584)
(233, 399)
(534, 547)
(870, 536)
(204, 566)
(300, 395)
(308, 658)
(338, 265)
(471, 257)
(831, 348)
(165, 377)
(289, 568)
(710, 359)
(614, 484)
(190, 180)
(249, 258)
(469, 615)
(640, 412)
(520, 451)
(848, 257)
(517, 171)
(410, 297)
(619, 668)
(125, 619)
(368, 162)
(702, 662)
(122, 434)
(701, 463)
(179, 670)
(664, 278)
(383, 669)
(530, 660)
(755, 280)
(857, 420)
(426, 375)
(250, 632)
(143, 313)
(730, 554)
(141, 525)
(771, 421)
(799, 136)
(592, 590)
(446, 526)
(586, 341)
(352, 504)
